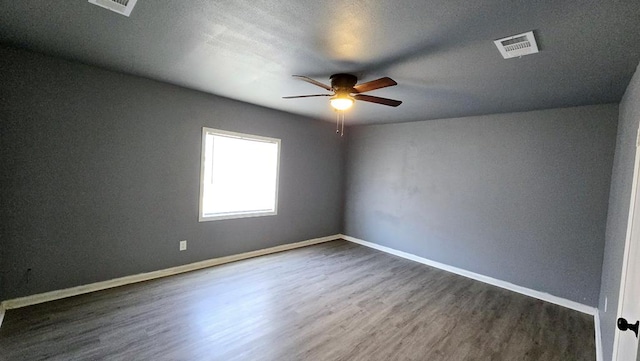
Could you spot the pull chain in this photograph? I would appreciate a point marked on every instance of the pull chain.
(340, 122)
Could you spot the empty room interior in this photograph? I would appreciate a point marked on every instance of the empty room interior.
(308, 180)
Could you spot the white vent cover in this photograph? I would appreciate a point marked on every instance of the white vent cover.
(517, 45)
(123, 7)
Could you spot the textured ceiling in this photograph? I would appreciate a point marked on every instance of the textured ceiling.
(441, 52)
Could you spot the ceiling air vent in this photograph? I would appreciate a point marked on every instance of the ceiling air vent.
(123, 7)
(517, 45)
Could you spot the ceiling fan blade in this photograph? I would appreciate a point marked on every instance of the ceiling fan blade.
(307, 96)
(312, 81)
(377, 100)
(374, 84)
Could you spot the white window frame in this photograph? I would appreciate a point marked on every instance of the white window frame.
(241, 214)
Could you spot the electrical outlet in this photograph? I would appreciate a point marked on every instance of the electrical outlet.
(183, 245)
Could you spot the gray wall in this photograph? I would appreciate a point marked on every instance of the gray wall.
(519, 197)
(620, 196)
(100, 175)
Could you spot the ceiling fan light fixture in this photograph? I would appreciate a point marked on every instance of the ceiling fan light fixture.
(341, 102)
(346, 91)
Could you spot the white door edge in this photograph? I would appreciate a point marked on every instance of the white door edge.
(627, 246)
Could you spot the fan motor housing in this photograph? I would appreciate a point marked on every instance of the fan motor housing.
(343, 81)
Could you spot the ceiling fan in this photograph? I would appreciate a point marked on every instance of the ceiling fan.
(346, 92)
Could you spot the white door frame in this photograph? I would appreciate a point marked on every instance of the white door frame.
(627, 247)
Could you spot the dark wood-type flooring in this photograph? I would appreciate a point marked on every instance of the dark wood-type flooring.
(333, 301)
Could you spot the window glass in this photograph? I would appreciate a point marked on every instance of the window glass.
(239, 175)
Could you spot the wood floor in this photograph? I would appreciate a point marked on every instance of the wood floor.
(333, 301)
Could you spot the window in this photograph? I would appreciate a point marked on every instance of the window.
(239, 175)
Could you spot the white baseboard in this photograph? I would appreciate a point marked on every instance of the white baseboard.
(78, 290)
(478, 277)
(596, 324)
(98, 286)
(496, 282)
(1, 314)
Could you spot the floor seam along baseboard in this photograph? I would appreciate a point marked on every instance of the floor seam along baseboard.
(596, 325)
(141, 277)
(576, 306)
(478, 277)
(121, 281)
(1, 314)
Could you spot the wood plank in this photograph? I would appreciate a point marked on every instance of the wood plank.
(333, 301)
